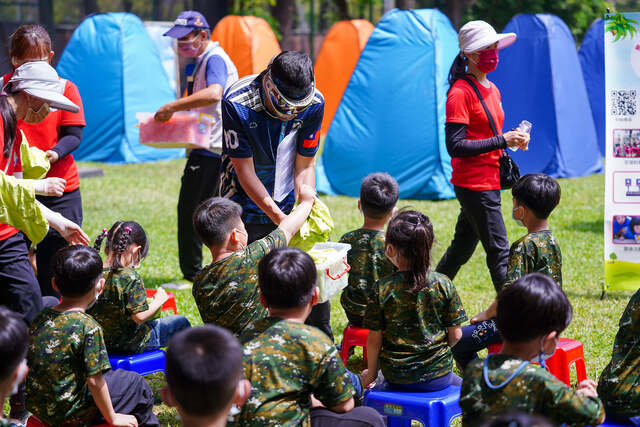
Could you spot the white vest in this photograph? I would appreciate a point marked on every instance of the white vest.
(200, 82)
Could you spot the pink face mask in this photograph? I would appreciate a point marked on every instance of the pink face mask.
(488, 60)
(188, 48)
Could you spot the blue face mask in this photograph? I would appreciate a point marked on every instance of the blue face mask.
(542, 357)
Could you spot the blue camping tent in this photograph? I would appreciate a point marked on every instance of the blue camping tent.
(114, 63)
(592, 62)
(539, 78)
(391, 117)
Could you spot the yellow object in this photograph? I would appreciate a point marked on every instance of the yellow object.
(35, 163)
(18, 207)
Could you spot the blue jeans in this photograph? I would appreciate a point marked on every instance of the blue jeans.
(162, 330)
(435, 384)
(356, 382)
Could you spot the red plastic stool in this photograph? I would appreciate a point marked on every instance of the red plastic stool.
(34, 421)
(567, 353)
(170, 304)
(353, 337)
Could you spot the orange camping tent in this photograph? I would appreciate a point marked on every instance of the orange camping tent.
(336, 61)
(248, 40)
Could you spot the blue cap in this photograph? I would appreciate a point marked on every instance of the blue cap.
(186, 22)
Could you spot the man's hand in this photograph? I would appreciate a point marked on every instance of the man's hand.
(123, 420)
(306, 194)
(164, 113)
(52, 156)
(480, 317)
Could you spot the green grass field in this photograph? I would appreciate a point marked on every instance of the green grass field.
(148, 193)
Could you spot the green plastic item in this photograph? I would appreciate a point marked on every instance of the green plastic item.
(316, 229)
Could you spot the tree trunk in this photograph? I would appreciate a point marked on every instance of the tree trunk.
(90, 6)
(406, 4)
(343, 9)
(283, 13)
(454, 10)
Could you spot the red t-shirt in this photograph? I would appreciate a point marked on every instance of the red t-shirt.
(9, 165)
(45, 135)
(481, 172)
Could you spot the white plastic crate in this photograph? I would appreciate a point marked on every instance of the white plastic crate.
(333, 274)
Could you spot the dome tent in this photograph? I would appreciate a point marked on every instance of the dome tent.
(249, 42)
(336, 61)
(116, 67)
(391, 117)
(592, 63)
(540, 80)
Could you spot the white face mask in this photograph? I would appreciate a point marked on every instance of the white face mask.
(22, 374)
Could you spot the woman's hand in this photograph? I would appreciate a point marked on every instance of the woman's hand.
(52, 156)
(517, 139)
(50, 186)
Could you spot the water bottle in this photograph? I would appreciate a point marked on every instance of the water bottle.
(525, 127)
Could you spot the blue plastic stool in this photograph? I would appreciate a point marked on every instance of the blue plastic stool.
(432, 409)
(143, 363)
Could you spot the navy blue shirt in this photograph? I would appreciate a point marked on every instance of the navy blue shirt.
(250, 132)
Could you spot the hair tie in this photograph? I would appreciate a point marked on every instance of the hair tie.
(127, 230)
(3, 93)
(104, 231)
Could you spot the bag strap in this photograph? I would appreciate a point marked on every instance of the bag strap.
(486, 109)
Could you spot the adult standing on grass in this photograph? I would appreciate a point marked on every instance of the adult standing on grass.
(214, 72)
(475, 151)
(271, 127)
(58, 134)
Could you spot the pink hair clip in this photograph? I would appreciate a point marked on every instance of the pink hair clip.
(104, 231)
(127, 230)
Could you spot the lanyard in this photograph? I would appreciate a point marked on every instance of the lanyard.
(485, 373)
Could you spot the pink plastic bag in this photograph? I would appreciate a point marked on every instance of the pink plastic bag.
(185, 129)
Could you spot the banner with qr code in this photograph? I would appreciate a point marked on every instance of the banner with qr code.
(622, 166)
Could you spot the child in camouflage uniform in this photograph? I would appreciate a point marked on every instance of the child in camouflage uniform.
(122, 309)
(204, 375)
(535, 196)
(619, 386)
(70, 381)
(378, 198)
(287, 361)
(532, 312)
(226, 290)
(14, 339)
(414, 315)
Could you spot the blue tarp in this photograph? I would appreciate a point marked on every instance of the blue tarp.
(114, 63)
(391, 117)
(592, 62)
(539, 77)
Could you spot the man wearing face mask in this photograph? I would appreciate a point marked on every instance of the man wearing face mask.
(271, 127)
(214, 72)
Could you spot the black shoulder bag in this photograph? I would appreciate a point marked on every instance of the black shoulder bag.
(509, 170)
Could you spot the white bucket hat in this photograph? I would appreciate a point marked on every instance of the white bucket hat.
(478, 35)
(40, 80)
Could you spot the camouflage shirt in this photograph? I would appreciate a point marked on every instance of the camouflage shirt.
(368, 264)
(415, 345)
(123, 295)
(533, 390)
(286, 362)
(619, 386)
(65, 349)
(226, 291)
(536, 252)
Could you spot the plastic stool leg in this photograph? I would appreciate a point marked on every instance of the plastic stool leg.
(344, 352)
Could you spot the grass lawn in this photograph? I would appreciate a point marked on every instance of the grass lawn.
(148, 194)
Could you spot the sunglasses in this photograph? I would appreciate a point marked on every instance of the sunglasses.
(281, 104)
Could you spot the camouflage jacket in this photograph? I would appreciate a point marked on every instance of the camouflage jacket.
(533, 390)
(65, 349)
(536, 252)
(619, 386)
(285, 362)
(415, 345)
(226, 292)
(368, 264)
(123, 295)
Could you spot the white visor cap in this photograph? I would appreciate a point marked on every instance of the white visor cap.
(40, 80)
(478, 35)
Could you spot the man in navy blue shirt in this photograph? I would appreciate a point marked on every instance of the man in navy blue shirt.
(214, 72)
(271, 123)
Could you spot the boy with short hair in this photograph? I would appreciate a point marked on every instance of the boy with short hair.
(286, 361)
(70, 380)
(378, 198)
(199, 361)
(532, 313)
(619, 385)
(534, 198)
(14, 339)
(226, 291)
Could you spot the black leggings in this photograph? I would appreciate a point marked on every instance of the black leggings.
(131, 395)
(480, 220)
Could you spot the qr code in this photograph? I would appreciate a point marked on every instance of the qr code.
(623, 102)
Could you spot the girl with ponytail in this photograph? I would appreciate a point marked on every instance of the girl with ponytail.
(414, 315)
(122, 308)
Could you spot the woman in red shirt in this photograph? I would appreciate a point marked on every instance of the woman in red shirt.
(58, 134)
